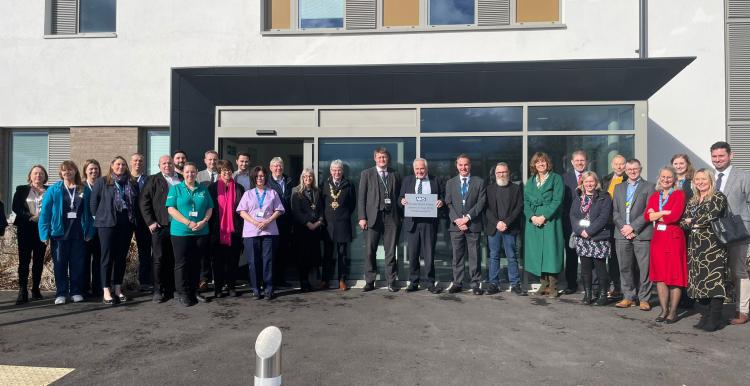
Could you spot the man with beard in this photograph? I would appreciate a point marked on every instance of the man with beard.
(502, 225)
(242, 175)
(179, 157)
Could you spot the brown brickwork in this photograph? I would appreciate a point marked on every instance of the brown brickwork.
(102, 144)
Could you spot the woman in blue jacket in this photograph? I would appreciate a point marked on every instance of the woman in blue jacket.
(65, 220)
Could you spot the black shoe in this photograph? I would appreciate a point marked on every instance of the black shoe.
(36, 294)
(660, 319)
(23, 297)
(392, 288)
(201, 298)
(454, 289)
(146, 288)
(493, 289)
(412, 287)
(270, 296)
(567, 291)
(305, 287)
(434, 290)
(477, 291)
(587, 300)
(516, 289)
(185, 301)
(368, 287)
(233, 293)
(122, 298)
(257, 295)
(159, 298)
(602, 299)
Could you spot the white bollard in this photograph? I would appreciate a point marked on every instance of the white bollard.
(268, 357)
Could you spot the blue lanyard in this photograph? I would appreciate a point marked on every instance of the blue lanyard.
(261, 199)
(663, 200)
(120, 190)
(629, 196)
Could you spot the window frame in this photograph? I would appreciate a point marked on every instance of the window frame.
(48, 21)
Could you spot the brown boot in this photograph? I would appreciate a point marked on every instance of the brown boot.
(552, 291)
(342, 285)
(544, 285)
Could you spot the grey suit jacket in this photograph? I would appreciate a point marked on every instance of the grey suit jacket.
(737, 190)
(476, 198)
(204, 177)
(368, 194)
(642, 228)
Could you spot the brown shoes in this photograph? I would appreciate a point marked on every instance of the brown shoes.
(644, 306)
(203, 285)
(741, 318)
(343, 286)
(625, 303)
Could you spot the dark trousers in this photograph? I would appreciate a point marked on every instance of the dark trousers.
(587, 266)
(283, 251)
(188, 252)
(342, 259)
(259, 252)
(69, 260)
(225, 261)
(115, 243)
(571, 267)
(145, 261)
(92, 266)
(206, 274)
(30, 252)
(386, 226)
(613, 268)
(163, 260)
(463, 242)
(421, 243)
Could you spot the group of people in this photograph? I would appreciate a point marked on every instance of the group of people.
(191, 226)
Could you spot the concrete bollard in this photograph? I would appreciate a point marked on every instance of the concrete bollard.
(268, 357)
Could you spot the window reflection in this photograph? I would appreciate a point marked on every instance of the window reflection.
(321, 13)
(577, 118)
(478, 119)
(447, 12)
(599, 148)
(97, 15)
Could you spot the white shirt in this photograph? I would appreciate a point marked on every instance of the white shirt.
(724, 179)
(425, 185)
(171, 180)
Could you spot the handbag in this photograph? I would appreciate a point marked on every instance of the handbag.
(729, 229)
(572, 241)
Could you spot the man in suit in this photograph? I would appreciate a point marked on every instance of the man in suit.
(609, 183)
(152, 206)
(142, 235)
(282, 184)
(465, 196)
(503, 223)
(735, 184)
(210, 174)
(572, 179)
(378, 216)
(633, 236)
(242, 174)
(421, 232)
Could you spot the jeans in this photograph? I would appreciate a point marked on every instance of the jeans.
(69, 258)
(508, 242)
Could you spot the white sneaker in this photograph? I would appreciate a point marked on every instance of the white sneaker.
(77, 298)
(60, 300)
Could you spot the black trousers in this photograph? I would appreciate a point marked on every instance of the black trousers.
(143, 241)
(163, 262)
(421, 243)
(188, 252)
(282, 256)
(92, 275)
(342, 259)
(225, 259)
(587, 266)
(30, 251)
(115, 243)
(206, 273)
(386, 227)
(571, 266)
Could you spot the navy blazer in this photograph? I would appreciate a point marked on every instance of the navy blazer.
(600, 213)
(408, 187)
(102, 202)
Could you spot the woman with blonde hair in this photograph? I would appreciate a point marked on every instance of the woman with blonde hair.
(27, 201)
(307, 211)
(707, 258)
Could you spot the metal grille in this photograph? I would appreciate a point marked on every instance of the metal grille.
(59, 151)
(737, 9)
(493, 12)
(64, 17)
(738, 52)
(739, 138)
(361, 14)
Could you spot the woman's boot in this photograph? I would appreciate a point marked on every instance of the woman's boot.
(602, 299)
(587, 296)
(543, 285)
(705, 307)
(23, 296)
(714, 315)
(552, 289)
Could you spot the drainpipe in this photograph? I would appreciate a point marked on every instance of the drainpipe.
(643, 29)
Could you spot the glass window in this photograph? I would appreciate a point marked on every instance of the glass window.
(530, 11)
(400, 13)
(27, 149)
(278, 14)
(485, 153)
(97, 15)
(599, 148)
(158, 145)
(465, 119)
(321, 13)
(451, 12)
(577, 118)
(357, 154)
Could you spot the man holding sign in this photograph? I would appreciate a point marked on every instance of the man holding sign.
(420, 197)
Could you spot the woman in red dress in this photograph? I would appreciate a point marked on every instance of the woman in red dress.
(668, 264)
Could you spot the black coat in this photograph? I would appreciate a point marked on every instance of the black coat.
(504, 203)
(153, 198)
(307, 242)
(213, 222)
(3, 220)
(27, 230)
(339, 221)
(600, 213)
(284, 222)
(102, 203)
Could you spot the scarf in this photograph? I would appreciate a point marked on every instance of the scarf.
(226, 211)
(124, 196)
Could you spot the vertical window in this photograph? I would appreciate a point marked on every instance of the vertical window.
(97, 15)
(278, 14)
(321, 13)
(27, 149)
(451, 12)
(400, 13)
(157, 142)
(537, 11)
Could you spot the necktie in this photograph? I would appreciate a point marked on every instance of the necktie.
(579, 177)
(718, 182)
(382, 174)
(213, 177)
(464, 187)
(419, 187)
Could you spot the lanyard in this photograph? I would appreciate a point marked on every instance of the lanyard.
(261, 199)
(629, 196)
(120, 191)
(585, 204)
(72, 197)
(384, 181)
(663, 200)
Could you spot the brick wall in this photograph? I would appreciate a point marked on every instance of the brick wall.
(4, 172)
(102, 144)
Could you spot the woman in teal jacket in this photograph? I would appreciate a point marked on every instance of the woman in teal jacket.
(66, 221)
(544, 240)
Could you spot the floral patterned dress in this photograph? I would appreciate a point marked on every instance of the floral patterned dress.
(707, 258)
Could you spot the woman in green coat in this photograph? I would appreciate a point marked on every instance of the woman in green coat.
(544, 239)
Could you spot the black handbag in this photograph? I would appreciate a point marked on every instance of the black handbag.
(729, 229)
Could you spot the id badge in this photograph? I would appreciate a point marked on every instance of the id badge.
(72, 215)
(661, 227)
(584, 223)
(258, 214)
(387, 201)
(193, 214)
